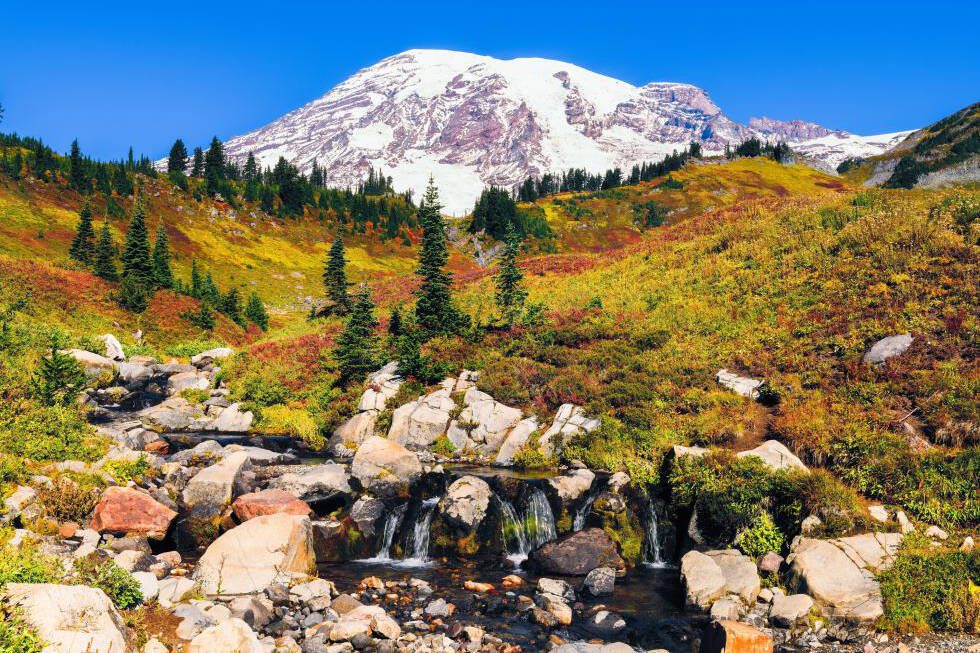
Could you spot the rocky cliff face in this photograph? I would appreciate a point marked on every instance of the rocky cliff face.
(471, 121)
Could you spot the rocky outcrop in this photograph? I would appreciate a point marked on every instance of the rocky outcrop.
(211, 491)
(570, 420)
(233, 420)
(517, 438)
(571, 486)
(385, 468)
(268, 502)
(417, 424)
(888, 348)
(483, 424)
(703, 580)
(382, 386)
(577, 554)
(125, 511)
(465, 502)
(776, 455)
(348, 436)
(739, 384)
(314, 482)
(71, 618)
(262, 551)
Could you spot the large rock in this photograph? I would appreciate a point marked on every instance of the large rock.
(483, 424)
(93, 364)
(734, 637)
(572, 485)
(113, 348)
(419, 423)
(348, 436)
(367, 513)
(385, 468)
(216, 486)
(382, 386)
(570, 420)
(466, 501)
(134, 375)
(208, 357)
(188, 381)
(174, 414)
(776, 455)
(123, 511)
(268, 502)
(517, 438)
(839, 574)
(314, 482)
(787, 611)
(740, 572)
(888, 348)
(600, 581)
(71, 618)
(228, 636)
(233, 420)
(703, 580)
(251, 557)
(742, 385)
(578, 553)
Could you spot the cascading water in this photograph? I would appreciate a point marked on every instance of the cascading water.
(515, 538)
(539, 520)
(420, 533)
(583, 512)
(392, 523)
(522, 534)
(654, 558)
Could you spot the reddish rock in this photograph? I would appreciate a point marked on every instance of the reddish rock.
(123, 510)
(268, 502)
(734, 637)
(158, 447)
(67, 529)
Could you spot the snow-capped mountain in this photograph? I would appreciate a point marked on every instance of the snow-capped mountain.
(470, 121)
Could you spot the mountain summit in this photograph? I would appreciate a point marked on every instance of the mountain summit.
(471, 121)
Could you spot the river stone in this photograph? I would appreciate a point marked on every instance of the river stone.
(739, 384)
(703, 580)
(729, 636)
(570, 420)
(314, 482)
(787, 611)
(123, 510)
(493, 421)
(251, 557)
(134, 375)
(466, 501)
(385, 468)
(888, 348)
(600, 581)
(206, 358)
(557, 607)
(377, 619)
(270, 501)
(233, 420)
(776, 455)
(578, 553)
(229, 636)
(556, 587)
(113, 348)
(741, 575)
(517, 438)
(366, 513)
(70, 618)
(572, 485)
(419, 423)
(256, 610)
(188, 381)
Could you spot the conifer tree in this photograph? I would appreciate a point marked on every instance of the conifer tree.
(395, 326)
(209, 290)
(231, 305)
(105, 255)
(434, 311)
(335, 279)
(121, 182)
(178, 157)
(356, 352)
(77, 178)
(255, 311)
(162, 273)
(83, 244)
(137, 264)
(196, 280)
(204, 318)
(510, 295)
(197, 165)
(58, 379)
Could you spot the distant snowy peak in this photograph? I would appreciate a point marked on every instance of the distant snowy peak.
(471, 120)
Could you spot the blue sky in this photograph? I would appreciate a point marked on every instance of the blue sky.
(117, 74)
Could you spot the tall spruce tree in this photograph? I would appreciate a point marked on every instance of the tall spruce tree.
(58, 379)
(77, 178)
(138, 278)
(434, 311)
(255, 311)
(177, 162)
(197, 282)
(356, 352)
(105, 255)
(197, 163)
(231, 305)
(83, 244)
(162, 273)
(510, 295)
(335, 279)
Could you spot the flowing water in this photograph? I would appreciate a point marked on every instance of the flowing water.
(654, 557)
(583, 512)
(539, 520)
(515, 537)
(392, 523)
(420, 533)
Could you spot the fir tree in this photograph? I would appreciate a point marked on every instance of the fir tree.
(209, 290)
(58, 379)
(356, 352)
(121, 182)
(510, 295)
(138, 278)
(255, 311)
(204, 318)
(162, 273)
(196, 288)
(105, 255)
(197, 164)
(77, 178)
(178, 157)
(434, 311)
(83, 244)
(395, 326)
(335, 279)
(214, 166)
(231, 305)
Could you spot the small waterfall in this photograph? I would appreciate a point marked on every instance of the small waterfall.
(512, 529)
(654, 558)
(420, 533)
(539, 520)
(583, 512)
(392, 523)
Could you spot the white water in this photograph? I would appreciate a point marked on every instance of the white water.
(539, 520)
(420, 534)
(512, 528)
(392, 523)
(583, 512)
(654, 558)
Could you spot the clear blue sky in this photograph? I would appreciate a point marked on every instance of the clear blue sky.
(114, 74)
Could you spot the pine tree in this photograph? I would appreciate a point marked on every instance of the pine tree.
(77, 178)
(162, 273)
(214, 166)
(204, 318)
(510, 295)
(137, 274)
(105, 255)
(178, 157)
(121, 182)
(434, 311)
(231, 305)
(356, 352)
(58, 379)
(83, 244)
(395, 325)
(209, 290)
(196, 280)
(197, 165)
(255, 311)
(335, 279)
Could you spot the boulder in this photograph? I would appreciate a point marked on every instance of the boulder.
(367, 513)
(600, 581)
(570, 420)
(233, 420)
(256, 611)
(174, 590)
(188, 381)
(228, 636)
(557, 607)
(572, 485)
(776, 455)
(70, 618)
(556, 587)
(419, 423)
(173, 414)
(113, 348)
(703, 580)
(258, 456)
(149, 585)
(741, 575)
(385, 468)
(134, 375)
(739, 384)
(19, 499)
(483, 423)
(93, 364)
(879, 513)
(208, 357)
(466, 501)
(314, 482)
(214, 487)
(123, 510)
(251, 557)
(888, 348)
(727, 607)
(348, 436)
(382, 386)
(517, 438)
(377, 620)
(729, 636)
(268, 502)
(617, 482)
(578, 553)
(787, 611)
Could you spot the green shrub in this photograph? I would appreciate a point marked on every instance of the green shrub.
(49, 433)
(26, 565)
(118, 584)
(443, 446)
(297, 422)
(15, 635)
(71, 497)
(760, 538)
(192, 347)
(128, 470)
(529, 456)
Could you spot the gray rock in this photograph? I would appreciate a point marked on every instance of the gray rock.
(570, 421)
(888, 348)
(726, 608)
(741, 575)
(314, 482)
(113, 348)
(256, 611)
(703, 580)
(466, 501)
(384, 467)
(600, 581)
(54, 610)
(573, 485)
(366, 513)
(742, 385)
(206, 358)
(776, 455)
(233, 420)
(787, 611)
(557, 588)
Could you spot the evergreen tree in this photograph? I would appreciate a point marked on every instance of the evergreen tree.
(695, 150)
(434, 311)
(510, 295)
(204, 318)
(395, 325)
(209, 290)
(58, 379)
(255, 311)
(197, 164)
(335, 279)
(102, 182)
(162, 273)
(178, 157)
(105, 255)
(138, 278)
(214, 166)
(83, 244)
(77, 178)
(231, 305)
(356, 352)
(197, 283)
(121, 182)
